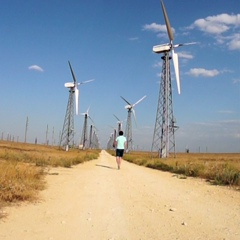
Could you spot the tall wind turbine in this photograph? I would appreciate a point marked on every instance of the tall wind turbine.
(128, 131)
(119, 123)
(110, 143)
(95, 141)
(84, 138)
(67, 137)
(163, 137)
(92, 136)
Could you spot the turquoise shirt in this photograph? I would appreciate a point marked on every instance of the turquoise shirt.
(120, 142)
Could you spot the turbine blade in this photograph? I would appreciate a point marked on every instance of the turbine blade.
(184, 44)
(134, 116)
(176, 68)
(126, 100)
(76, 99)
(116, 117)
(169, 29)
(139, 101)
(91, 119)
(95, 128)
(88, 110)
(74, 78)
(86, 81)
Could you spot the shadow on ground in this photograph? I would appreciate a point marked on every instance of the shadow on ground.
(99, 165)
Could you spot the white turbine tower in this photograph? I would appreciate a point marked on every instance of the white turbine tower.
(163, 137)
(128, 131)
(67, 136)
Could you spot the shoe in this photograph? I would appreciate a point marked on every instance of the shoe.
(118, 167)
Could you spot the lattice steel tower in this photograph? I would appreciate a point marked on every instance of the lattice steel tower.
(163, 136)
(67, 136)
(128, 130)
(83, 142)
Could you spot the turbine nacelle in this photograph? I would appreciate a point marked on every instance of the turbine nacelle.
(161, 48)
(69, 85)
(128, 107)
(168, 47)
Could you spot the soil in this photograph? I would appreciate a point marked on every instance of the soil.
(95, 200)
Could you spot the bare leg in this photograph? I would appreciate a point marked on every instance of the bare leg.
(118, 161)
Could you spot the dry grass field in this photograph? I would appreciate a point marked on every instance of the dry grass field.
(217, 168)
(23, 167)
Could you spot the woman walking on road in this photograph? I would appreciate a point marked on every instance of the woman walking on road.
(120, 144)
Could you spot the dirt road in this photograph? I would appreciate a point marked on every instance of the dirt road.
(94, 200)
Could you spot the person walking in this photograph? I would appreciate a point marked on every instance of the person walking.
(120, 144)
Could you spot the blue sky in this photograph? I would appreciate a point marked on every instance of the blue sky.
(111, 41)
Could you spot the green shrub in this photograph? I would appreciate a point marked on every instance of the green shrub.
(160, 166)
(213, 167)
(227, 176)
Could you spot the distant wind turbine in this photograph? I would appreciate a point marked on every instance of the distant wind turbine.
(128, 131)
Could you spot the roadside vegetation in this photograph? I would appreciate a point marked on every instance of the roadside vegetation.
(218, 168)
(23, 167)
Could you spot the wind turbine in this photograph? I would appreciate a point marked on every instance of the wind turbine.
(163, 137)
(110, 144)
(67, 137)
(95, 140)
(92, 135)
(111, 140)
(119, 122)
(128, 131)
(83, 142)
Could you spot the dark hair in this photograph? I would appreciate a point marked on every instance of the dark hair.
(120, 133)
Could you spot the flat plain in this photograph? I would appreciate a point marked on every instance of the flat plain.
(94, 200)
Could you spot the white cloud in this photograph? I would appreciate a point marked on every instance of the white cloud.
(196, 72)
(225, 18)
(161, 30)
(35, 68)
(236, 81)
(226, 111)
(222, 27)
(133, 38)
(154, 27)
(217, 24)
(210, 27)
(185, 55)
(234, 42)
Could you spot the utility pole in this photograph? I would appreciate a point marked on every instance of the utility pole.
(47, 135)
(53, 142)
(26, 129)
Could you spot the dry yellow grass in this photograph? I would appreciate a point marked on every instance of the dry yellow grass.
(23, 167)
(19, 181)
(43, 155)
(218, 168)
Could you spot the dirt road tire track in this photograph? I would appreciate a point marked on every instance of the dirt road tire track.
(94, 200)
